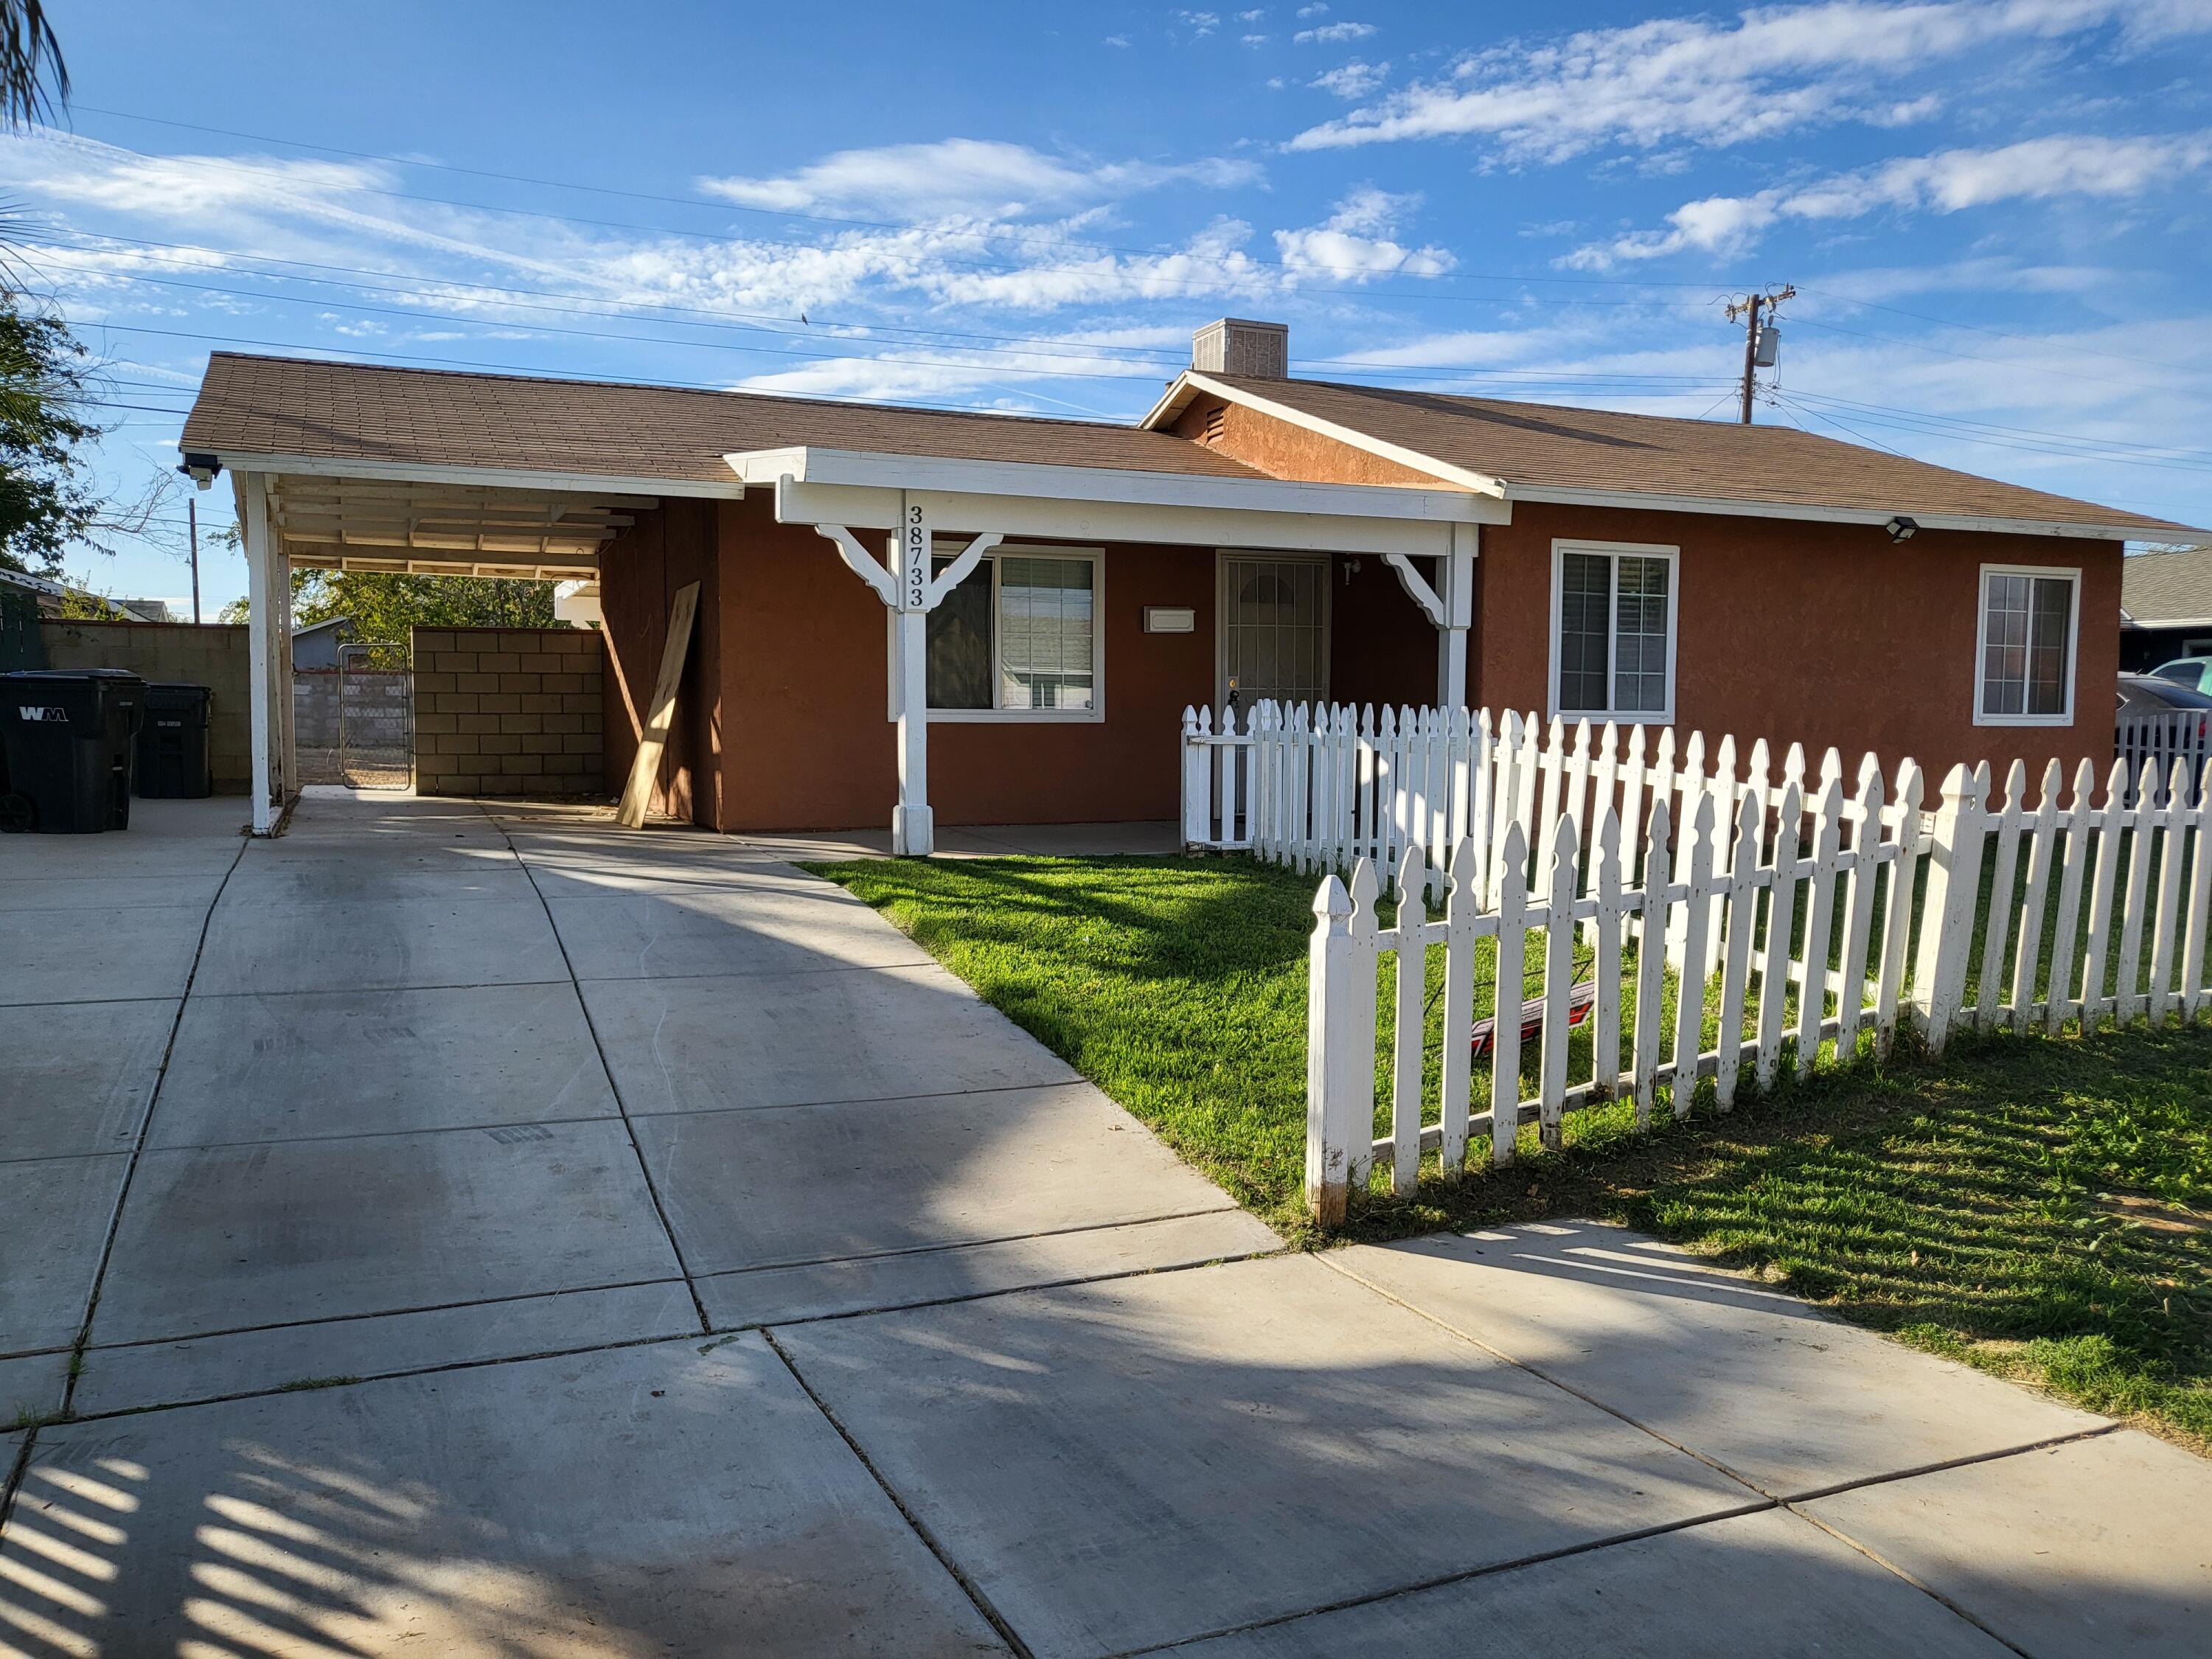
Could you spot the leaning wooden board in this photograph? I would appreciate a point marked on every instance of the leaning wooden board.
(653, 741)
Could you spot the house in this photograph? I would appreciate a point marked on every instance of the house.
(2165, 607)
(1054, 593)
(317, 645)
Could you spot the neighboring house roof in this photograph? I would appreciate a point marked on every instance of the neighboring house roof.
(2168, 590)
(317, 628)
(294, 407)
(1540, 452)
(42, 585)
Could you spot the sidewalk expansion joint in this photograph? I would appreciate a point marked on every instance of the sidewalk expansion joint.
(15, 1477)
(599, 1048)
(974, 1591)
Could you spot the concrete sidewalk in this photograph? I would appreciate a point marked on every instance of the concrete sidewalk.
(434, 1232)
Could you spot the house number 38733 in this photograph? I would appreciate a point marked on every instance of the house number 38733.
(916, 533)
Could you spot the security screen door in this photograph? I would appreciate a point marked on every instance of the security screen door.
(1275, 644)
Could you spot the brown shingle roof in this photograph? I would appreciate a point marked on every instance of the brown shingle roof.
(1537, 446)
(251, 405)
(2157, 588)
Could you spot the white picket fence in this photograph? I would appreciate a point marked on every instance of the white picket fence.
(2151, 740)
(1755, 906)
(1319, 789)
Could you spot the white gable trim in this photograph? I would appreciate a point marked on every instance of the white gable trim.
(1179, 396)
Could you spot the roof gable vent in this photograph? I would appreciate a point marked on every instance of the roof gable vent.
(1236, 346)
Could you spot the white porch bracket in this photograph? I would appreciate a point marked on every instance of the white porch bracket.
(1452, 611)
(910, 592)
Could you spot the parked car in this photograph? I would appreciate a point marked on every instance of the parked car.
(2195, 673)
(2146, 693)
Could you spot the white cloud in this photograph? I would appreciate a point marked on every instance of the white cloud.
(1775, 69)
(1255, 39)
(1357, 241)
(1317, 10)
(1121, 40)
(1356, 79)
(1329, 35)
(1200, 24)
(962, 177)
(1948, 182)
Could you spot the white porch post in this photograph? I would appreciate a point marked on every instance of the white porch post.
(1458, 570)
(1452, 611)
(261, 606)
(913, 828)
(911, 594)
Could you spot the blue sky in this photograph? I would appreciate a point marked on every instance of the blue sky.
(1996, 214)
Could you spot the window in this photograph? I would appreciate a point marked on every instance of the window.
(1612, 631)
(2026, 646)
(1018, 640)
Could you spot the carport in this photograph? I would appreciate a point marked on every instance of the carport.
(302, 512)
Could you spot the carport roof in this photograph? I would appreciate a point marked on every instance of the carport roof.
(386, 418)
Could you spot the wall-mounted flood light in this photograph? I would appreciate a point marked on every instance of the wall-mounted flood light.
(1902, 529)
(202, 469)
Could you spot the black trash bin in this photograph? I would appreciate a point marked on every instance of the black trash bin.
(173, 744)
(70, 736)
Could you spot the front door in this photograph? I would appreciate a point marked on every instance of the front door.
(1274, 629)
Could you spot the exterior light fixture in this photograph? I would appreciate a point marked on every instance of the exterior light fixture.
(1902, 529)
(202, 469)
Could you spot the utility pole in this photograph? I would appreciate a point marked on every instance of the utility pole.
(1753, 359)
(193, 518)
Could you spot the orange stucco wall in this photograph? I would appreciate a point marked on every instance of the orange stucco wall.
(1282, 451)
(1382, 649)
(1791, 631)
(807, 742)
(1811, 633)
(640, 572)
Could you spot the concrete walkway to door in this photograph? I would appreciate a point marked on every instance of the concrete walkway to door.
(434, 1231)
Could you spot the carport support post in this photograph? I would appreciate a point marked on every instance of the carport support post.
(261, 609)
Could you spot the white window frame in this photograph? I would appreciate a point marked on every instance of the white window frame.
(1094, 715)
(2072, 575)
(1672, 555)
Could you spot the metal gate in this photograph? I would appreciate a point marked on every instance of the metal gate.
(376, 716)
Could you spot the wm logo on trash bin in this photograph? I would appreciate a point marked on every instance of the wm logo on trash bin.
(28, 713)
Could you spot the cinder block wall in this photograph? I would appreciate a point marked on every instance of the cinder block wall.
(181, 654)
(508, 711)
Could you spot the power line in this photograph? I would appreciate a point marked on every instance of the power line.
(724, 205)
(2091, 445)
(1971, 357)
(1935, 426)
(1980, 328)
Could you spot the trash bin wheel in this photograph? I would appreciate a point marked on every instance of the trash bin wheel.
(18, 813)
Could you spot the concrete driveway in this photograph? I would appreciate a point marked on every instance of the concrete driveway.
(434, 1232)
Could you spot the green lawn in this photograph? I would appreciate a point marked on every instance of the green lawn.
(2037, 1207)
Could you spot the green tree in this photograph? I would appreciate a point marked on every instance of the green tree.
(385, 606)
(45, 499)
